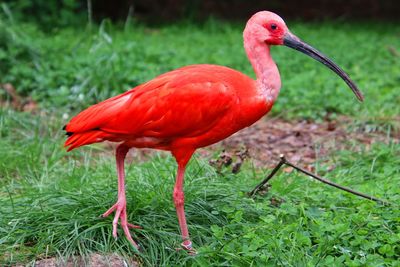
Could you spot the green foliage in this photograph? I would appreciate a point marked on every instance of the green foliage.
(51, 202)
(49, 15)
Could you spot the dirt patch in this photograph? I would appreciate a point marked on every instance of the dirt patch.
(300, 141)
(93, 260)
(11, 99)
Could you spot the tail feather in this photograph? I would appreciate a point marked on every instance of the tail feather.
(85, 138)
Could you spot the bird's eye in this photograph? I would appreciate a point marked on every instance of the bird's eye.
(274, 26)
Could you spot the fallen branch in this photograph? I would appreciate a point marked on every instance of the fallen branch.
(283, 161)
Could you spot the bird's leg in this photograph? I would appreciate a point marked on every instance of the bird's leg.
(179, 199)
(120, 206)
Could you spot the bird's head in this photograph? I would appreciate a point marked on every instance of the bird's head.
(266, 27)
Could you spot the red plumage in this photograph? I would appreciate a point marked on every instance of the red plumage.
(176, 109)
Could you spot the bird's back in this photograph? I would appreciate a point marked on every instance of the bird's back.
(184, 104)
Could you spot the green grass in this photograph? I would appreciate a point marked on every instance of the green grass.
(51, 200)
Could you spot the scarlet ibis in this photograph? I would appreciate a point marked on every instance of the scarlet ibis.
(191, 107)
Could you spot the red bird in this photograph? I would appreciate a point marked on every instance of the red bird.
(191, 107)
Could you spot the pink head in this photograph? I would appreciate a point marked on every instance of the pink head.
(267, 28)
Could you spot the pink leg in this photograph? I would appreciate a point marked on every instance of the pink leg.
(179, 199)
(120, 206)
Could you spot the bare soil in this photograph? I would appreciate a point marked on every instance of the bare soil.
(300, 141)
(93, 260)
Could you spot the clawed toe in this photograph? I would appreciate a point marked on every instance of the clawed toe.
(109, 211)
(133, 226)
(120, 215)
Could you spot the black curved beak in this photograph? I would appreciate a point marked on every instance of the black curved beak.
(292, 41)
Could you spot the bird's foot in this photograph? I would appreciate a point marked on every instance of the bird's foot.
(120, 214)
(187, 245)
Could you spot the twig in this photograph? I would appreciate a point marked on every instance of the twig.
(131, 10)
(283, 161)
(90, 13)
(269, 177)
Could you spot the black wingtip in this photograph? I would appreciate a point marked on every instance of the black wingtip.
(67, 133)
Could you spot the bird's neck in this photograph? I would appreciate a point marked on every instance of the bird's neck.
(268, 78)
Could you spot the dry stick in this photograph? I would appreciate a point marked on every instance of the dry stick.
(284, 161)
(269, 177)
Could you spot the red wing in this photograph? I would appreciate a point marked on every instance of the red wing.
(95, 116)
(173, 112)
(172, 105)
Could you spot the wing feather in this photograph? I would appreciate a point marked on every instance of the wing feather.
(183, 103)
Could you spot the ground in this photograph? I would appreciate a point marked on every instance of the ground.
(303, 141)
(259, 146)
(94, 260)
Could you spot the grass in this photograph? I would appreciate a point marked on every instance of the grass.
(51, 200)
(51, 204)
